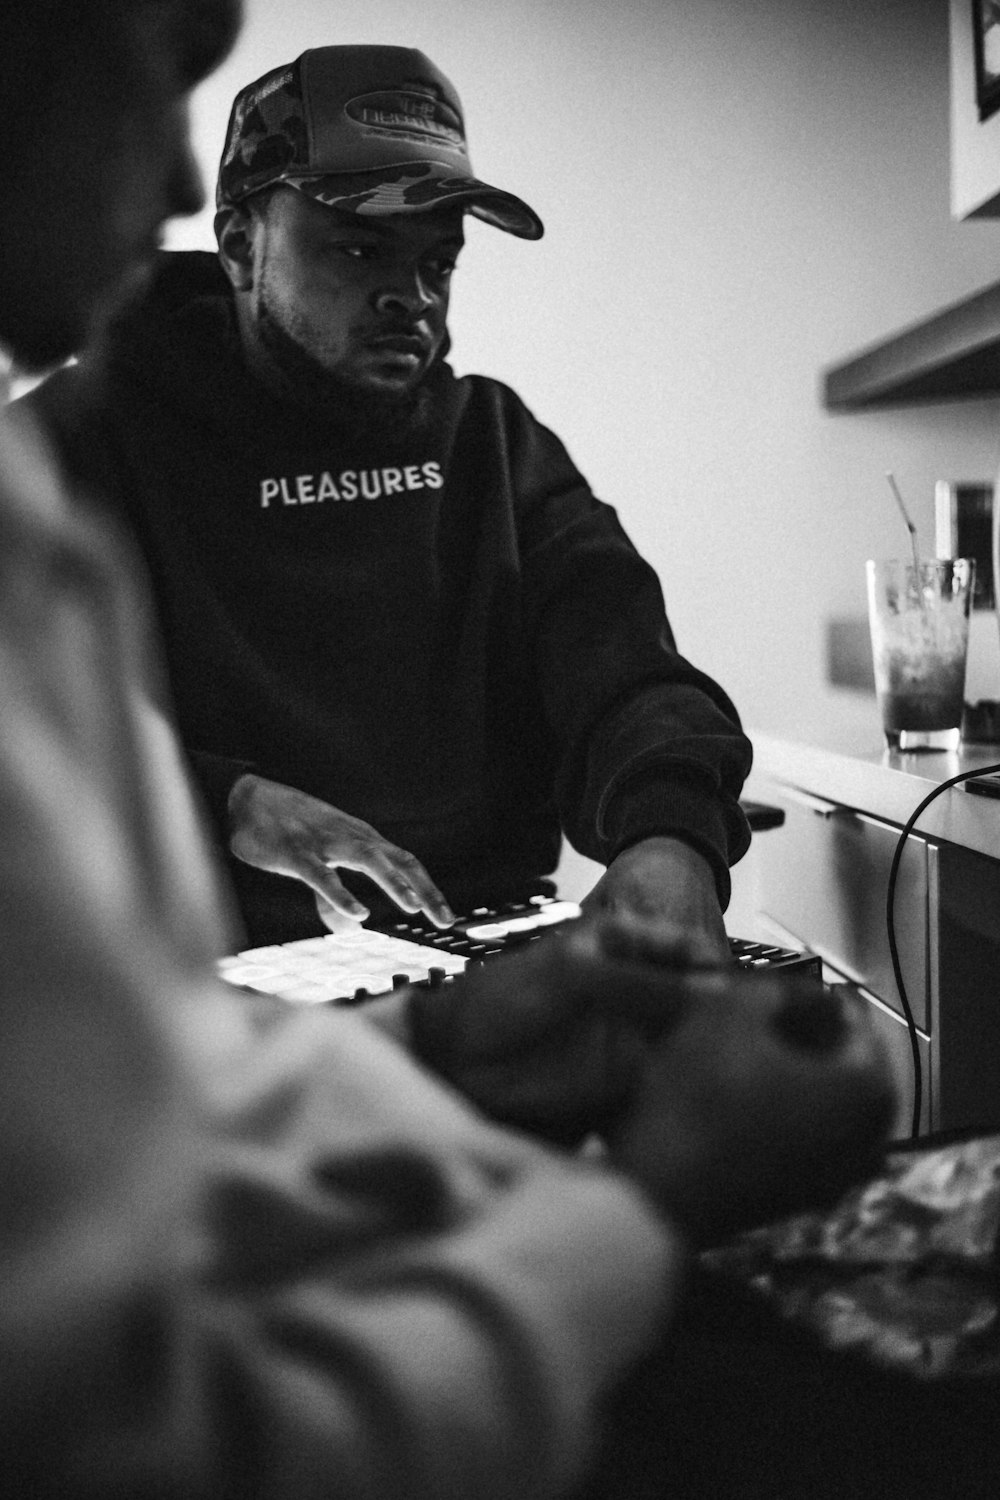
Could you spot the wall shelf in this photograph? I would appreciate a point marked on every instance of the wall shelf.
(953, 355)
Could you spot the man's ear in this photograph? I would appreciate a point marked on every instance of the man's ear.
(235, 230)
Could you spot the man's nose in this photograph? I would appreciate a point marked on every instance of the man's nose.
(406, 294)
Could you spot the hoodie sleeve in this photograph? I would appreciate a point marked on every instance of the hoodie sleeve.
(392, 1292)
(81, 427)
(648, 743)
(215, 776)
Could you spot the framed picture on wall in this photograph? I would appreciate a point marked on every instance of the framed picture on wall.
(975, 108)
(963, 527)
(986, 49)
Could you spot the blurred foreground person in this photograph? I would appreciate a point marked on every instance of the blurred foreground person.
(253, 1251)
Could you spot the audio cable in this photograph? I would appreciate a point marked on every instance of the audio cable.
(897, 972)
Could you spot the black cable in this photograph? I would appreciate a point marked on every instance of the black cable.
(891, 928)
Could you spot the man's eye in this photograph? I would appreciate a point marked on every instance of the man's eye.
(443, 265)
(355, 252)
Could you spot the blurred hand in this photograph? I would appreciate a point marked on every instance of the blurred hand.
(764, 1097)
(287, 832)
(665, 886)
(552, 1037)
(729, 1097)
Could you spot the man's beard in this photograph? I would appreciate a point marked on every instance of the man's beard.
(306, 384)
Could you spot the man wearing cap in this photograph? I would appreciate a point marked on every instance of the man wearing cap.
(407, 645)
(262, 1253)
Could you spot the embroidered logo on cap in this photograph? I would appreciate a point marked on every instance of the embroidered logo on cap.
(417, 116)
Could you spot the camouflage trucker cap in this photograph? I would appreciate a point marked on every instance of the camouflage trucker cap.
(373, 130)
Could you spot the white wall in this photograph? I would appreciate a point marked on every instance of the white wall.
(735, 195)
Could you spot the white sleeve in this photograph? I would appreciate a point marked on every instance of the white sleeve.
(278, 1263)
(420, 1302)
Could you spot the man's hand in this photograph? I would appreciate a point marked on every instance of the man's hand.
(551, 1038)
(287, 832)
(665, 886)
(729, 1097)
(765, 1097)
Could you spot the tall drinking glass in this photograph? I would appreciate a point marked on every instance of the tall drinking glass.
(919, 619)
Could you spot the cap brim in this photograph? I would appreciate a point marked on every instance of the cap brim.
(416, 187)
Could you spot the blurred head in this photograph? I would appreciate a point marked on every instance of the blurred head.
(341, 193)
(93, 111)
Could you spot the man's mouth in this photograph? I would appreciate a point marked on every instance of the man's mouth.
(400, 344)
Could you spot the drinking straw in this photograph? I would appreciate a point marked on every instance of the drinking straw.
(909, 524)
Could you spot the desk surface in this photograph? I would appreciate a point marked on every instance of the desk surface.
(885, 784)
(751, 1396)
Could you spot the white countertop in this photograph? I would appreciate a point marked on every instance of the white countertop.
(886, 784)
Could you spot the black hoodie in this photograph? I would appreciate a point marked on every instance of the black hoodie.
(433, 625)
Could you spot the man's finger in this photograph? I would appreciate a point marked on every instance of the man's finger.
(404, 880)
(336, 921)
(333, 895)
